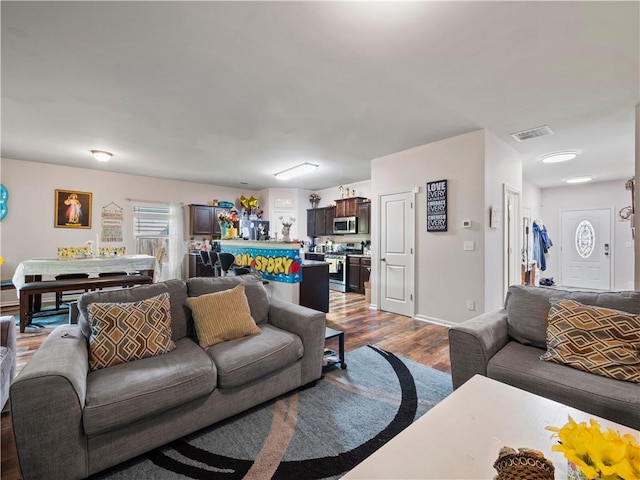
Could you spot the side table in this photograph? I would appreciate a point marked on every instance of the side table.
(331, 333)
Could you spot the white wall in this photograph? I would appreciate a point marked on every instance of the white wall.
(596, 195)
(502, 166)
(28, 232)
(446, 276)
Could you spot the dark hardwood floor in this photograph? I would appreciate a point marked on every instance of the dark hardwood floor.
(419, 341)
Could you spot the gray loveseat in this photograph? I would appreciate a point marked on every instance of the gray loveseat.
(506, 345)
(70, 422)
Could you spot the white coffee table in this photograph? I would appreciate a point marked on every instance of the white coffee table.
(461, 436)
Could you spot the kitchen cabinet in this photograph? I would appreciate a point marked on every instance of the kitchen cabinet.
(354, 275)
(314, 288)
(364, 218)
(203, 220)
(197, 268)
(348, 207)
(359, 273)
(320, 221)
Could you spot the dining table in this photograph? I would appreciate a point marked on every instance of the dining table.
(34, 270)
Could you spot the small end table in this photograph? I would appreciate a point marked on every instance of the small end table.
(331, 333)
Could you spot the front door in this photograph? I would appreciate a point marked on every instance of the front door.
(586, 248)
(396, 253)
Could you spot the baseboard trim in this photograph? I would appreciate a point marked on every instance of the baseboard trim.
(436, 321)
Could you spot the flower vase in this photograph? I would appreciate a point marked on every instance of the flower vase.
(285, 234)
(223, 229)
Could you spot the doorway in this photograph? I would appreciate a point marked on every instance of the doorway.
(586, 248)
(512, 220)
(397, 233)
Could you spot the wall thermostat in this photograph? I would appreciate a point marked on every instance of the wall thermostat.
(466, 224)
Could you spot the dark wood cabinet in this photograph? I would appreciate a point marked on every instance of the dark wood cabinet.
(197, 268)
(203, 220)
(364, 218)
(353, 276)
(348, 207)
(314, 288)
(320, 221)
(359, 273)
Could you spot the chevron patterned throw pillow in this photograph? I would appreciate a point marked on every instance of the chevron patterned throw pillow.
(121, 332)
(594, 339)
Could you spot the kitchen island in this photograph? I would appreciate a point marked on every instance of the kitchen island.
(304, 282)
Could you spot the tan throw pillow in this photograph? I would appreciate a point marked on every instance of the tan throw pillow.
(121, 332)
(222, 316)
(594, 339)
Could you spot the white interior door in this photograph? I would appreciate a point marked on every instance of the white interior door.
(396, 253)
(586, 248)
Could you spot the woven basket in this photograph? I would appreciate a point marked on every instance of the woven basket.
(525, 464)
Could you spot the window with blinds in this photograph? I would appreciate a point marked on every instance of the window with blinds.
(151, 225)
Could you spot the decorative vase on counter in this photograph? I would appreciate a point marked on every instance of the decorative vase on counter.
(285, 234)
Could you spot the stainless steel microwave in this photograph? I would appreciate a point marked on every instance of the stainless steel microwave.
(344, 225)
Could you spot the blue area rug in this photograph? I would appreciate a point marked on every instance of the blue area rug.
(317, 433)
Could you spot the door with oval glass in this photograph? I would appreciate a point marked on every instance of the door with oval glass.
(586, 248)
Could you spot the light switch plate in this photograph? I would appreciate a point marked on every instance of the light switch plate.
(469, 245)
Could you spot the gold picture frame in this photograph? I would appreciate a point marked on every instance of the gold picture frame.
(73, 209)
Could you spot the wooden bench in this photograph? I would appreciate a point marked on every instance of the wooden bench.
(31, 289)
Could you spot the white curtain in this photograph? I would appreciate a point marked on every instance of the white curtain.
(177, 243)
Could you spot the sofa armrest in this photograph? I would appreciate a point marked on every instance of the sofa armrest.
(309, 325)
(8, 339)
(473, 342)
(47, 401)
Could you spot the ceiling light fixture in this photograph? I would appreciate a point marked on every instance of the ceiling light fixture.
(101, 155)
(557, 157)
(292, 172)
(585, 179)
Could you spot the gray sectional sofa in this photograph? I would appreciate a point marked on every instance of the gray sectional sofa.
(70, 422)
(506, 345)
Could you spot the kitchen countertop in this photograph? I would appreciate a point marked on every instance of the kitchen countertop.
(313, 263)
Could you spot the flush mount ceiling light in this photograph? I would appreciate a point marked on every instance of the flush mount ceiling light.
(557, 157)
(101, 155)
(292, 172)
(584, 179)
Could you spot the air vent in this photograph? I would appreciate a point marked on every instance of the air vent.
(542, 131)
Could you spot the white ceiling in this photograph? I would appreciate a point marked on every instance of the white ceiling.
(231, 92)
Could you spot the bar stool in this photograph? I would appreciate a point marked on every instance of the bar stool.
(228, 267)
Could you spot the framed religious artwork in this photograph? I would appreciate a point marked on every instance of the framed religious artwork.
(72, 209)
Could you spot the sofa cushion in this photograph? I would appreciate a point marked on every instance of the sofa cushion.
(253, 288)
(222, 316)
(520, 365)
(177, 296)
(528, 309)
(247, 359)
(119, 395)
(122, 332)
(594, 339)
(122, 295)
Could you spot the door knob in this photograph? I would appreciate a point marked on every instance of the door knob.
(383, 259)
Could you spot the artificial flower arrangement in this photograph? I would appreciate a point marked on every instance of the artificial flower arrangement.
(314, 198)
(226, 219)
(602, 455)
(288, 222)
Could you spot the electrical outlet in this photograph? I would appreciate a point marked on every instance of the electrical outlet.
(628, 244)
(471, 305)
(469, 245)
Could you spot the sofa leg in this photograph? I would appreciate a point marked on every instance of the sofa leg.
(308, 385)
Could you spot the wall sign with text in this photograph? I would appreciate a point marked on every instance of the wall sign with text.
(437, 206)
